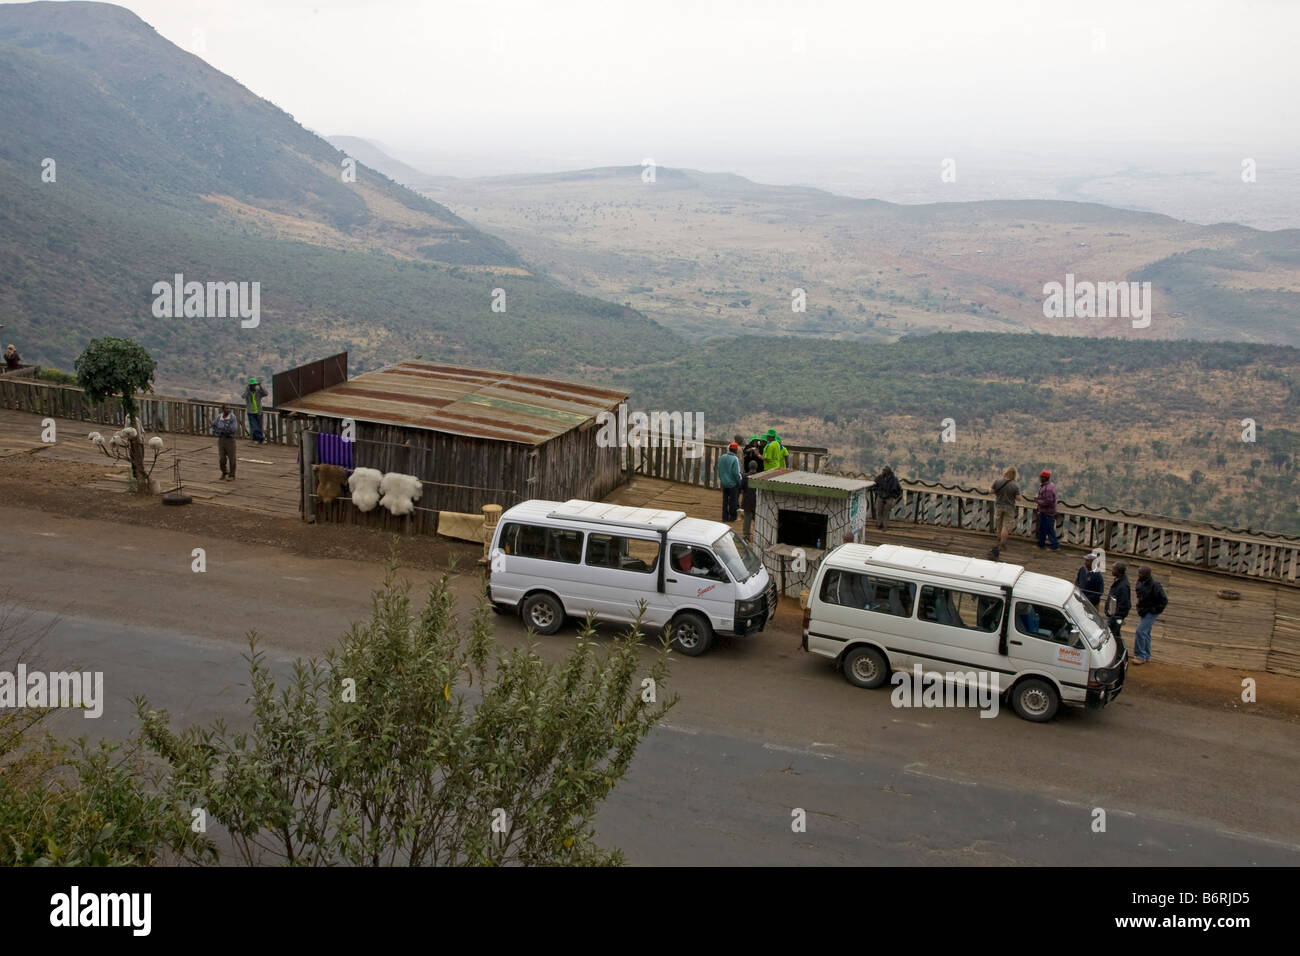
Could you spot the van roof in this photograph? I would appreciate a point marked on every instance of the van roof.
(690, 530)
(937, 563)
(625, 516)
(597, 512)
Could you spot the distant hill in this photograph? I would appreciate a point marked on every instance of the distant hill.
(710, 254)
(164, 165)
(377, 158)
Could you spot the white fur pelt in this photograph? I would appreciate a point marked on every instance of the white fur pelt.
(363, 485)
(400, 492)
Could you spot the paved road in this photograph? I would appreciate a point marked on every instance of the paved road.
(761, 731)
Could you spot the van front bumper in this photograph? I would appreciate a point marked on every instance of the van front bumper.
(757, 621)
(1101, 693)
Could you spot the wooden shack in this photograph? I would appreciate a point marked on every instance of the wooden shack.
(472, 436)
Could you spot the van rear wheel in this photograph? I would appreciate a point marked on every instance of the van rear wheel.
(866, 667)
(1035, 699)
(543, 614)
(692, 634)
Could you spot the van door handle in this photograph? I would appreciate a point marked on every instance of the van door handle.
(1017, 643)
(671, 580)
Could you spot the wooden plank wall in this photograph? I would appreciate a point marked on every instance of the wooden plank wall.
(461, 474)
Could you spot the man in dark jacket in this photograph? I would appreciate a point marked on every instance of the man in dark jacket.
(752, 465)
(1118, 601)
(1151, 604)
(226, 426)
(1089, 581)
(1046, 505)
(888, 493)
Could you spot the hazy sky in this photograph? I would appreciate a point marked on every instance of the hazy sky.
(572, 82)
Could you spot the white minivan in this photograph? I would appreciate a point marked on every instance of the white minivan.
(550, 560)
(876, 609)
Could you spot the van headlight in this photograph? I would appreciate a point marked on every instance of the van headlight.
(749, 608)
(1103, 675)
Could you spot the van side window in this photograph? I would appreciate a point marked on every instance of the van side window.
(697, 562)
(975, 612)
(537, 541)
(625, 554)
(1041, 621)
(870, 593)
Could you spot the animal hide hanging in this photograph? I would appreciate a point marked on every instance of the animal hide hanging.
(329, 482)
(364, 485)
(400, 492)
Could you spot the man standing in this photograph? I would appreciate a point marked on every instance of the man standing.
(888, 494)
(1006, 493)
(774, 453)
(226, 426)
(1151, 604)
(729, 478)
(253, 396)
(1088, 580)
(752, 465)
(1046, 510)
(1118, 601)
(12, 359)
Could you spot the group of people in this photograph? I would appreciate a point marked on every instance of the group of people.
(226, 427)
(1006, 494)
(1151, 599)
(760, 453)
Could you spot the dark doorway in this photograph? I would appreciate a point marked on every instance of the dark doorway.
(801, 529)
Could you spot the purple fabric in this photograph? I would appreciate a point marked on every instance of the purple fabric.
(333, 450)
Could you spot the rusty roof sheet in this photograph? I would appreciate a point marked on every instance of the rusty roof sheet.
(478, 403)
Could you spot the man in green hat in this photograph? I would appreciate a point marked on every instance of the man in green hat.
(774, 453)
(253, 396)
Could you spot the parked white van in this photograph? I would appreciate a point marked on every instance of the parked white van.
(875, 609)
(550, 560)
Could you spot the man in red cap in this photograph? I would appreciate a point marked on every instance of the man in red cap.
(729, 478)
(1046, 510)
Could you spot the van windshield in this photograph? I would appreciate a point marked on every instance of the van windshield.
(1087, 620)
(741, 560)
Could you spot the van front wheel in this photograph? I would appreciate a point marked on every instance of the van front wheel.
(1035, 699)
(692, 634)
(866, 667)
(543, 614)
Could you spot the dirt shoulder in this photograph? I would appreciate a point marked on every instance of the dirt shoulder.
(55, 486)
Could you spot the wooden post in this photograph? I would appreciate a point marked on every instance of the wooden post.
(307, 445)
(491, 515)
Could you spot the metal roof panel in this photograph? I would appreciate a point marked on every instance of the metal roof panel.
(478, 403)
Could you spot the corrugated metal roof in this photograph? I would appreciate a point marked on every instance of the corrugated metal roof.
(815, 483)
(475, 402)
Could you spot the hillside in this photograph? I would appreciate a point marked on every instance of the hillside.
(164, 165)
(1144, 426)
(375, 156)
(710, 254)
